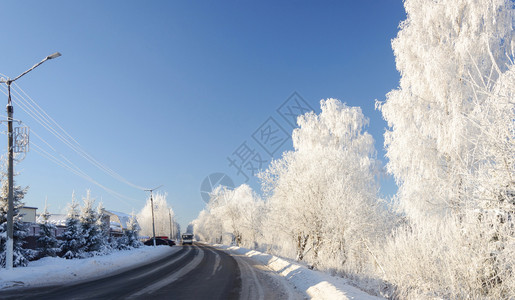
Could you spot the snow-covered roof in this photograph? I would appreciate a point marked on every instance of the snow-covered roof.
(118, 219)
(56, 219)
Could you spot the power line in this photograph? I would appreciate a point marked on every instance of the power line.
(77, 171)
(74, 146)
(47, 122)
(44, 112)
(39, 114)
(70, 166)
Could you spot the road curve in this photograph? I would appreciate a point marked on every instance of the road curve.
(193, 272)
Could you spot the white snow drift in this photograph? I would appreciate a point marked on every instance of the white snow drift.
(314, 284)
(55, 270)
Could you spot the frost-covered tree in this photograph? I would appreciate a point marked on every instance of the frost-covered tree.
(122, 243)
(491, 180)
(104, 228)
(323, 195)
(132, 232)
(450, 147)
(450, 54)
(73, 238)
(234, 214)
(208, 227)
(20, 255)
(48, 245)
(89, 225)
(321, 199)
(177, 231)
(130, 236)
(161, 216)
(174, 226)
(252, 213)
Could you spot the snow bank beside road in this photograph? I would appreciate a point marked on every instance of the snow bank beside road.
(55, 270)
(314, 284)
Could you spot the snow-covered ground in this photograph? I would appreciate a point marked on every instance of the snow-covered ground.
(49, 270)
(314, 284)
(55, 270)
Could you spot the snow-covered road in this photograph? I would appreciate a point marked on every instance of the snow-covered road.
(186, 272)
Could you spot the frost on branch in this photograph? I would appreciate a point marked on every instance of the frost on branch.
(163, 217)
(450, 147)
(450, 55)
(321, 204)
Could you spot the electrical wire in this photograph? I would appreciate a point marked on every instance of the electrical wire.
(38, 114)
(74, 169)
(80, 173)
(47, 122)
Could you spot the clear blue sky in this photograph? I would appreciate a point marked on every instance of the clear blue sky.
(162, 92)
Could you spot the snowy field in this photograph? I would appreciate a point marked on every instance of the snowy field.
(55, 270)
(314, 284)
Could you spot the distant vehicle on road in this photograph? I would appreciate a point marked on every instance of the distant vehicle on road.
(159, 242)
(169, 241)
(187, 238)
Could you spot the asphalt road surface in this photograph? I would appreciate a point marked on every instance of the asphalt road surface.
(193, 272)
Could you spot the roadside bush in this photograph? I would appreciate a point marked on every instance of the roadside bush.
(462, 257)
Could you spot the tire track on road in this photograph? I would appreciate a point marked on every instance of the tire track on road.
(173, 276)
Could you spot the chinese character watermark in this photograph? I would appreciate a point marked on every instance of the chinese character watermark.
(248, 159)
(270, 136)
(293, 107)
(211, 182)
(244, 159)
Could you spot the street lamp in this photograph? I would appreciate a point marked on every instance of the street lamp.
(10, 195)
(152, 205)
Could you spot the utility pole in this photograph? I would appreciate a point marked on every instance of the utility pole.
(152, 205)
(10, 167)
(170, 215)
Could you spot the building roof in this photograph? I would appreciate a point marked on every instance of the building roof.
(56, 219)
(119, 219)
